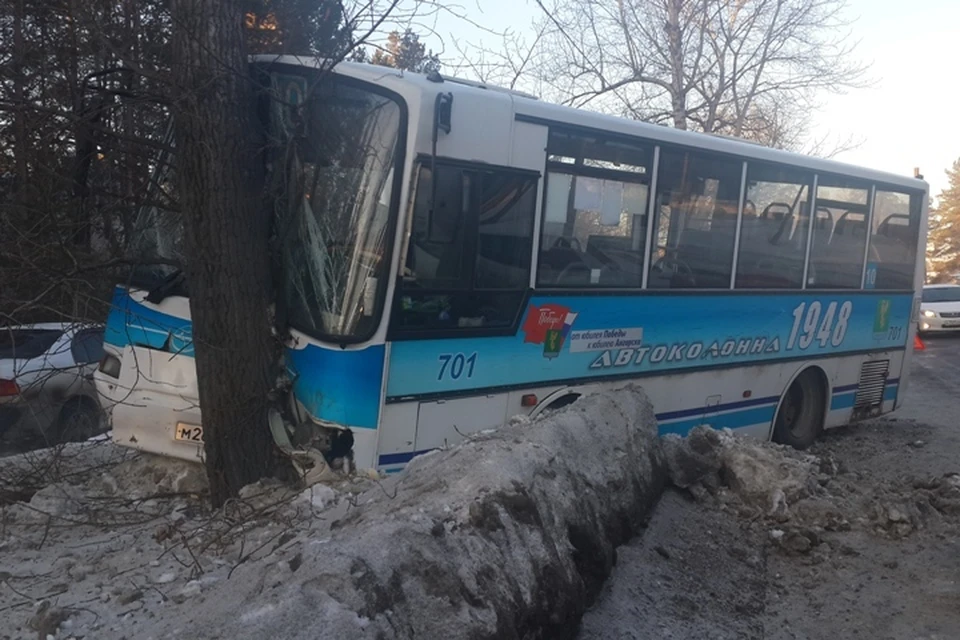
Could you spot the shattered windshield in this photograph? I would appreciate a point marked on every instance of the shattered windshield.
(337, 212)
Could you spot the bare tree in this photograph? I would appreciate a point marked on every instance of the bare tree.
(510, 64)
(747, 68)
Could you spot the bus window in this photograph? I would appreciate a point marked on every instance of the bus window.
(773, 235)
(697, 201)
(892, 255)
(468, 261)
(594, 218)
(839, 234)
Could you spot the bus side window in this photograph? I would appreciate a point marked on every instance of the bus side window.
(893, 240)
(595, 213)
(836, 254)
(468, 260)
(698, 197)
(776, 222)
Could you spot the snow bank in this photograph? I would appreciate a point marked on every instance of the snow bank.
(509, 535)
(754, 474)
(799, 497)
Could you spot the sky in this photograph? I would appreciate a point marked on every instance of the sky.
(905, 120)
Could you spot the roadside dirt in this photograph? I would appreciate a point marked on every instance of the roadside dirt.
(869, 547)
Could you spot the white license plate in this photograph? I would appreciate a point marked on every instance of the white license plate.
(951, 325)
(188, 433)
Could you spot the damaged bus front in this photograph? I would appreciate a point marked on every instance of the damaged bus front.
(335, 169)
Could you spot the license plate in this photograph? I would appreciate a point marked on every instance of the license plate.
(951, 325)
(188, 433)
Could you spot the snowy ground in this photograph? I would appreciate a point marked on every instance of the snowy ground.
(858, 540)
(119, 540)
(506, 535)
(874, 552)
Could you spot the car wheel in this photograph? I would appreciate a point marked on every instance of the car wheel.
(800, 417)
(79, 419)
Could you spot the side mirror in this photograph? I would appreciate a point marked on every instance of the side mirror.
(443, 112)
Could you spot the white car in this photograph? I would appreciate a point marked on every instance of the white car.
(47, 393)
(940, 308)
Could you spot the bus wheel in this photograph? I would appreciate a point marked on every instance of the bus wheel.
(800, 418)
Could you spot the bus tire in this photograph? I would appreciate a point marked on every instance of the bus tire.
(799, 419)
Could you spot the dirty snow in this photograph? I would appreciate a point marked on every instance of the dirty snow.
(113, 540)
(859, 537)
(508, 533)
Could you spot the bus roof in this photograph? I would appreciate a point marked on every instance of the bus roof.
(527, 107)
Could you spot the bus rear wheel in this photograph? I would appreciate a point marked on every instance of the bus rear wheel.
(800, 418)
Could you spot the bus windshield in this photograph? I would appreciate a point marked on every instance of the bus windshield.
(337, 205)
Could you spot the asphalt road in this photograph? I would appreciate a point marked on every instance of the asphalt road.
(933, 394)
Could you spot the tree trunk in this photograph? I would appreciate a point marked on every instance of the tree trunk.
(19, 97)
(678, 97)
(227, 242)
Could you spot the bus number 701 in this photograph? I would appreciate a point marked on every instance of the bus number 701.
(454, 366)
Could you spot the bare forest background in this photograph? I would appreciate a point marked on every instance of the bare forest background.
(88, 91)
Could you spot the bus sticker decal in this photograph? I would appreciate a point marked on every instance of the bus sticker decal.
(603, 339)
(881, 322)
(548, 325)
(544, 318)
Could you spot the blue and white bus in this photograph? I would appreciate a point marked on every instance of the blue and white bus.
(456, 254)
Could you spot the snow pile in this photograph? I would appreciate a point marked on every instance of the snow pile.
(759, 478)
(800, 497)
(509, 534)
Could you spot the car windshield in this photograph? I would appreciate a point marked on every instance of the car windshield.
(339, 190)
(942, 294)
(24, 344)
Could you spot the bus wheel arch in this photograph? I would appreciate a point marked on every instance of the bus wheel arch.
(557, 400)
(802, 409)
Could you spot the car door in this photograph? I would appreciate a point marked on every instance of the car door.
(86, 349)
(37, 370)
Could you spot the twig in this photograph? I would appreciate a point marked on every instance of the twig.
(15, 605)
(19, 593)
(198, 569)
(252, 553)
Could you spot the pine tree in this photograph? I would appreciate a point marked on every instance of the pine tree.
(405, 51)
(943, 240)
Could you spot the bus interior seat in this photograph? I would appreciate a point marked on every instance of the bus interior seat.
(709, 254)
(782, 210)
(824, 220)
(852, 224)
(556, 259)
(619, 264)
(901, 232)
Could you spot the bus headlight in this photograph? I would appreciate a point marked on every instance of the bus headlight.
(929, 314)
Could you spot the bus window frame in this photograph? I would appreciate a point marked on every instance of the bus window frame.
(400, 334)
(578, 169)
